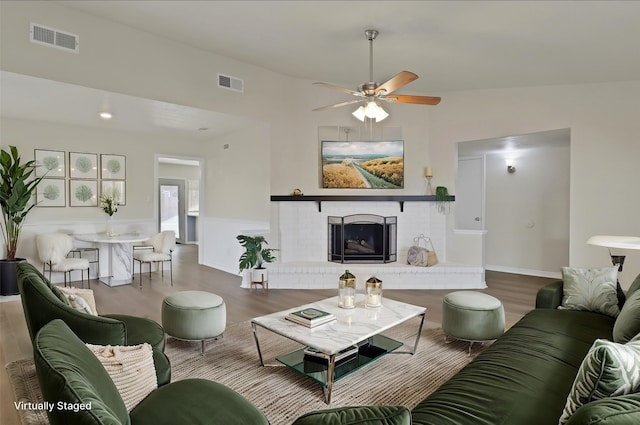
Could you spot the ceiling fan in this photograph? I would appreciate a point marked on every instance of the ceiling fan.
(372, 93)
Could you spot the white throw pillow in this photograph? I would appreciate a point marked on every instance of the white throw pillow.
(131, 368)
(80, 299)
(591, 290)
(608, 370)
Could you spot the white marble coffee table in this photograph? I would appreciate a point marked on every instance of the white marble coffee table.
(360, 326)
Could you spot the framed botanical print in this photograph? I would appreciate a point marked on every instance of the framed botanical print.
(83, 165)
(114, 167)
(83, 193)
(50, 163)
(115, 189)
(51, 193)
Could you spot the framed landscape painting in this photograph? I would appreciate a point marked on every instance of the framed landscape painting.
(363, 165)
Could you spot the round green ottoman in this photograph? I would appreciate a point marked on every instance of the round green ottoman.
(472, 316)
(194, 316)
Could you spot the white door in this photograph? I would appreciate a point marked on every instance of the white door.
(470, 194)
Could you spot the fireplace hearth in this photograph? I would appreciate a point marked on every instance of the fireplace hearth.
(362, 238)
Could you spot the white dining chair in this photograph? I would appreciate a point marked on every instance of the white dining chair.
(53, 249)
(157, 249)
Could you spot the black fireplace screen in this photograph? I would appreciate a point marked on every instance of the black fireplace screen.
(363, 238)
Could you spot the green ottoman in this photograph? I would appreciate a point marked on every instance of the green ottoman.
(194, 316)
(472, 316)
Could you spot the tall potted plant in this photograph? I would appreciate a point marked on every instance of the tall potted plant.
(16, 191)
(255, 256)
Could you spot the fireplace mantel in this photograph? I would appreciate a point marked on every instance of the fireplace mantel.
(358, 198)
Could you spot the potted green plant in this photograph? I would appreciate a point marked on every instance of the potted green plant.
(255, 255)
(16, 191)
(442, 199)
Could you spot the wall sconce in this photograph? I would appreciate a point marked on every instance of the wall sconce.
(511, 166)
(371, 110)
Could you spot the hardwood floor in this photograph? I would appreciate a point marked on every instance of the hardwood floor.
(517, 292)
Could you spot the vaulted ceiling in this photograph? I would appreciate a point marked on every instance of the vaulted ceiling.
(451, 45)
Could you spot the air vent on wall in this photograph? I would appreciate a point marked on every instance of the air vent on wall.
(230, 83)
(54, 38)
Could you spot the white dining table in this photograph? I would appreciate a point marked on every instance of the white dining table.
(119, 252)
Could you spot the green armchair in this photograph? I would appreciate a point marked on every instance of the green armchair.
(41, 305)
(80, 391)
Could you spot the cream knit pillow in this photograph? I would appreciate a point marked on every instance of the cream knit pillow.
(131, 368)
(80, 299)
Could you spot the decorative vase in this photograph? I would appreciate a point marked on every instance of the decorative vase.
(110, 226)
(373, 296)
(347, 290)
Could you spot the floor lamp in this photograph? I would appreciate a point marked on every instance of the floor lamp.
(620, 242)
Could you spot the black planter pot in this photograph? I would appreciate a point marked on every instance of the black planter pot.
(9, 277)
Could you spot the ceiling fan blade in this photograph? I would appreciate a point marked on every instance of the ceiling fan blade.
(340, 89)
(420, 100)
(401, 79)
(337, 105)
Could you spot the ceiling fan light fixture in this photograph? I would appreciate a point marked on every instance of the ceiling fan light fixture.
(381, 114)
(374, 110)
(359, 113)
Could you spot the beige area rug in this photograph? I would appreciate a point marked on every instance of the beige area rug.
(283, 394)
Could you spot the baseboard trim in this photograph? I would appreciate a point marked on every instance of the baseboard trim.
(526, 272)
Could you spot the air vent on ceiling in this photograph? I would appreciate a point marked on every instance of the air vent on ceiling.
(54, 38)
(230, 83)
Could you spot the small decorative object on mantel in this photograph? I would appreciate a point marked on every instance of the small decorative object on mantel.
(373, 297)
(347, 290)
(428, 175)
(297, 192)
(443, 200)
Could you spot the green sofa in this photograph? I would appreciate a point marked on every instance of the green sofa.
(525, 376)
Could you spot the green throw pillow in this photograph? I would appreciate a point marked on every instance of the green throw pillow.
(627, 324)
(609, 369)
(591, 290)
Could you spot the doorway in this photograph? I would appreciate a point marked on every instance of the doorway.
(525, 190)
(171, 207)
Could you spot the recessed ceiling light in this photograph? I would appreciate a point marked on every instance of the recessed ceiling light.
(106, 115)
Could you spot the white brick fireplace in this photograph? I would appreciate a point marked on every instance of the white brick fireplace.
(303, 238)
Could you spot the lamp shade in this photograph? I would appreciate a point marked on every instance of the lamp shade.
(621, 242)
(371, 110)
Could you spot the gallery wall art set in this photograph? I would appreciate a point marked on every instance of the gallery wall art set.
(87, 176)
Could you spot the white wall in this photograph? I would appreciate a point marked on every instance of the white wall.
(527, 212)
(604, 124)
(603, 119)
(136, 214)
